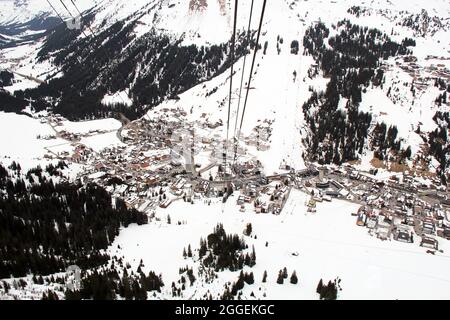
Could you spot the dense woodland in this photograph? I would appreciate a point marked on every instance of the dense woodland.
(46, 226)
(108, 284)
(330, 290)
(9, 103)
(352, 61)
(6, 78)
(439, 143)
(223, 251)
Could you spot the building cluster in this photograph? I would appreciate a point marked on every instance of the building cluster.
(156, 165)
(163, 159)
(402, 208)
(423, 75)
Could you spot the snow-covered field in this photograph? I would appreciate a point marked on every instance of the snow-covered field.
(20, 141)
(27, 140)
(328, 243)
(101, 141)
(83, 127)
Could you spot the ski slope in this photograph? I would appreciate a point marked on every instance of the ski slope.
(328, 244)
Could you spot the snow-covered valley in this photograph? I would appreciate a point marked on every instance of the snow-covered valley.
(127, 115)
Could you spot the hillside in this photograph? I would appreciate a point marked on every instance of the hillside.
(137, 103)
(139, 58)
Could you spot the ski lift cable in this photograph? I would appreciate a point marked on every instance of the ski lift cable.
(242, 81)
(70, 13)
(55, 11)
(253, 64)
(251, 69)
(233, 42)
(243, 67)
(63, 21)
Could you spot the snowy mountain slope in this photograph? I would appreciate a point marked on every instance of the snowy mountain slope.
(281, 83)
(22, 11)
(177, 18)
(27, 21)
(277, 96)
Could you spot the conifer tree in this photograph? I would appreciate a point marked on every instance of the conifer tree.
(294, 279)
(264, 279)
(280, 279)
(319, 286)
(285, 273)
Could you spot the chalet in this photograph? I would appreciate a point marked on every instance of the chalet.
(428, 242)
(344, 192)
(317, 198)
(250, 191)
(402, 234)
(163, 169)
(144, 205)
(332, 193)
(337, 185)
(401, 200)
(132, 202)
(122, 189)
(202, 187)
(179, 184)
(410, 220)
(371, 223)
(361, 220)
(276, 209)
(101, 167)
(382, 230)
(97, 175)
(206, 140)
(428, 228)
(241, 200)
(152, 181)
(165, 203)
(446, 233)
(365, 210)
(323, 184)
(354, 175)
